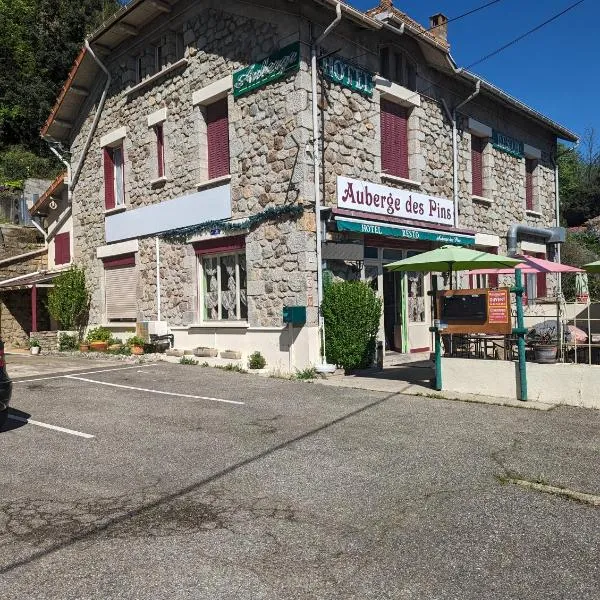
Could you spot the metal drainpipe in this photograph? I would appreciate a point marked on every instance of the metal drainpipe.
(88, 141)
(317, 191)
(455, 149)
(64, 162)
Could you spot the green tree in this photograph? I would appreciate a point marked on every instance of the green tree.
(352, 313)
(68, 300)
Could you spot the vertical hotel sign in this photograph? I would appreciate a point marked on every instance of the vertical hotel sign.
(274, 67)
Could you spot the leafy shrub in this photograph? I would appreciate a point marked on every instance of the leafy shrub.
(67, 342)
(123, 350)
(34, 343)
(308, 373)
(187, 360)
(257, 361)
(99, 334)
(232, 367)
(136, 340)
(352, 313)
(68, 300)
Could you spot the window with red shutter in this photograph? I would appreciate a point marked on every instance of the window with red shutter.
(62, 248)
(217, 133)
(541, 283)
(394, 139)
(109, 179)
(529, 169)
(160, 150)
(477, 145)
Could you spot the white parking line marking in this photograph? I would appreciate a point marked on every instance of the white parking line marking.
(139, 389)
(87, 373)
(87, 436)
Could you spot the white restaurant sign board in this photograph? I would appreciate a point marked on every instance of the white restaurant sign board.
(378, 199)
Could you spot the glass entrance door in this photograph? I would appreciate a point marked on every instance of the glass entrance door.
(405, 318)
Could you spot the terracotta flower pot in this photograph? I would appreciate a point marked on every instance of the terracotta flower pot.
(98, 346)
(84, 348)
(137, 350)
(115, 347)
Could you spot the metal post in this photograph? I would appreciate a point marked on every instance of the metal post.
(33, 308)
(520, 331)
(437, 337)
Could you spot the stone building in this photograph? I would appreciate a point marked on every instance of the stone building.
(194, 167)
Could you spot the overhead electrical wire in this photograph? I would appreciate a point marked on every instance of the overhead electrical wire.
(524, 35)
(470, 12)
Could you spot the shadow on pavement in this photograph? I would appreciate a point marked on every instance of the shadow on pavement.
(417, 373)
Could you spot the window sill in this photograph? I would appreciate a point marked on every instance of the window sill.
(482, 200)
(533, 213)
(119, 325)
(396, 179)
(159, 182)
(220, 325)
(150, 80)
(213, 182)
(115, 210)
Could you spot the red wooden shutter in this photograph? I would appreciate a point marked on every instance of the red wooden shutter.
(529, 167)
(217, 133)
(394, 139)
(109, 179)
(160, 150)
(477, 165)
(542, 288)
(62, 248)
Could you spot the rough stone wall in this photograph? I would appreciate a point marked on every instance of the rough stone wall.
(15, 240)
(268, 132)
(15, 316)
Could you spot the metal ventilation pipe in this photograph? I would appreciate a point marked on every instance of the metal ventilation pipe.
(550, 235)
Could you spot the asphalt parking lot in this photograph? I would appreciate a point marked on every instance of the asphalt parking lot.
(170, 481)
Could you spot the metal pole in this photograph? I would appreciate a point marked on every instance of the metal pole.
(520, 331)
(33, 308)
(437, 338)
(158, 311)
(317, 185)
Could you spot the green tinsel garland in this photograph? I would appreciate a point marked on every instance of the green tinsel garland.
(182, 234)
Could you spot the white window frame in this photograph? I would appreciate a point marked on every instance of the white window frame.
(119, 195)
(201, 292)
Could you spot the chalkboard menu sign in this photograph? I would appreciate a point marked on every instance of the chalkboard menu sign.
(472, 307)
(475, 311)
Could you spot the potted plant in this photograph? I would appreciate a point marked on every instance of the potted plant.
(544, 342)
(34, 346)
(136, 343)
(257, 363)
(98, 339)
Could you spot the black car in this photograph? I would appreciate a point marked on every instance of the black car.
(5, 387)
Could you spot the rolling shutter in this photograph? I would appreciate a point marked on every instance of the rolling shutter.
(109, 179)
(120, 285)
(217, 133)
(529, 167)
(477, 165)
(394, 139)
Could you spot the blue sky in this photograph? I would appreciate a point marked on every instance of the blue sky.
(554, 70)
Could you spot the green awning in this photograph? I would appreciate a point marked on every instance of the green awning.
(398, 231)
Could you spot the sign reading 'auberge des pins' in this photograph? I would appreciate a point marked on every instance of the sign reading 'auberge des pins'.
(380, 199)
(275, 66)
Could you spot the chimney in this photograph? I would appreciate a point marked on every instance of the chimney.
(386, 4)
(438, 25)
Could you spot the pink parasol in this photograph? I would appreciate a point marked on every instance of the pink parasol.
(530, 265)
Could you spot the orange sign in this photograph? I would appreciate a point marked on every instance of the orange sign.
(497, 302)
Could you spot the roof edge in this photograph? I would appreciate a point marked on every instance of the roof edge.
(45, 197)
